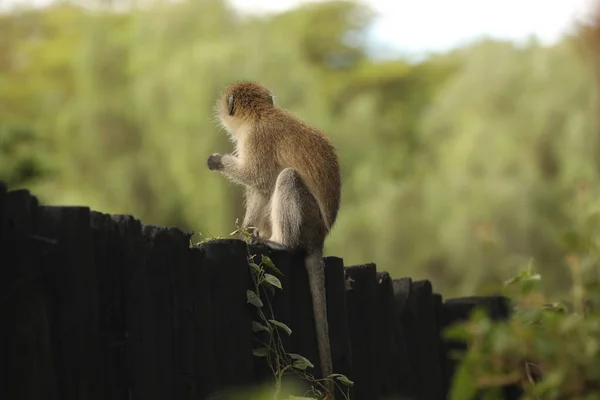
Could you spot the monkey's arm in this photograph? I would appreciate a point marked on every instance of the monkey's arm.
(243, 173)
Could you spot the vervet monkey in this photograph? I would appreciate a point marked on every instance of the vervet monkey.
(292, 181)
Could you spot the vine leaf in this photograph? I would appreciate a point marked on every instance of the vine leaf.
(282, 326)
(273, 280)
(257, 327)
(300, 362)
(267, 261)
(261, 352)
(343, 379)
(253, 299)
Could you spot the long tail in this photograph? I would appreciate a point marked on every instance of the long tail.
(316, 279)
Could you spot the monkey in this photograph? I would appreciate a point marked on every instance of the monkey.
(292, 185)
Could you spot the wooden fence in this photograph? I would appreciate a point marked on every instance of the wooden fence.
(97, 306)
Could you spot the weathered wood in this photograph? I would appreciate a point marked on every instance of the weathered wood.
(385, 343)
(165, 249)
(438, 310)
(402, 317)
(361, 300)
(108, 257)
(204, 375)
(25, 353)
(126, 262)
(227, 264)
(3, 222)
(98, 306)
(184, 326)
(337, 316)
(177, 254)
(70, 285)
(423, 335)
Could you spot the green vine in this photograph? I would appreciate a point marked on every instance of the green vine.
(279, 360)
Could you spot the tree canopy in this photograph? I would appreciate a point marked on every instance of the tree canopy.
(460, 168)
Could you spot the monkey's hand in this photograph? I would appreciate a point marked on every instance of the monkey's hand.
(214, 162)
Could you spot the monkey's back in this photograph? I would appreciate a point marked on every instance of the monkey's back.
(307, 150)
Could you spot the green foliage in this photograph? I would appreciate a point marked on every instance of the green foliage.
(455, 169)
(549, 348)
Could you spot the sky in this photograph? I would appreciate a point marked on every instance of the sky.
(417, 27)
(421, 26)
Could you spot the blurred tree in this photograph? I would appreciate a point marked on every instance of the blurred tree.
(458, 168)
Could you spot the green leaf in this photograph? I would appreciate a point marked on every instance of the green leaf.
(261, 352)
(281, 325)
(255, 267)
(257, 327)
(343, 379)
(273, 280)
(300, 362)
(253, 299)
(267, 261)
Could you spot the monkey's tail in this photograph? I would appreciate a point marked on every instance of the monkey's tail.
(316, 278)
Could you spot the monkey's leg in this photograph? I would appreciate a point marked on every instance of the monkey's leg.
(286, 208)
(257, 204)
(296, 222)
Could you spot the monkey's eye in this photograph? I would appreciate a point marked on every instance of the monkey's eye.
(230, 104)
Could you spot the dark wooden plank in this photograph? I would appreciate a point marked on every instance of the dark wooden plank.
(385, 343)
(226, 260)
(69, 276)
(361, 301)
(128, 256)
(3, 226)
(423, 334)
(437, 308)
(183, 315)
(177, 249)
(404, 373)
(204, 376)
(337, 315)
(165, 249)
(113, 262)
(26, 364)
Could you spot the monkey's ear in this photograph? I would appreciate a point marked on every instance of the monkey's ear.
(230, 104)
(272, 100)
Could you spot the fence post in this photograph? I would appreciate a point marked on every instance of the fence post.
(337, 315)
(26, 360)
(70, 285)
(387, 352)
(204, 377)
(362, 323)
(227, 263)
(405, 374)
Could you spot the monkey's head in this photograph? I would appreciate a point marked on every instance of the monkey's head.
(243, 103)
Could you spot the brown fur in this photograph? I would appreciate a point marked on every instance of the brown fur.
(286, 141)
(292, 178)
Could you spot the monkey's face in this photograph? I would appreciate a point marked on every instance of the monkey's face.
(243, 103)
